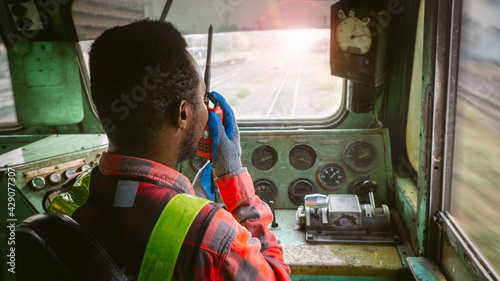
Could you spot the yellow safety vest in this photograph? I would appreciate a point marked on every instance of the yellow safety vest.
(167, 236)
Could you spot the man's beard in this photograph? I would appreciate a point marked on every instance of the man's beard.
(188, 146)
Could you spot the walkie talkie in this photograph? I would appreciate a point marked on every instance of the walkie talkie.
(205, 143)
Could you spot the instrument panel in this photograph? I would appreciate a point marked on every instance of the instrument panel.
(287, 165)
(48, 163)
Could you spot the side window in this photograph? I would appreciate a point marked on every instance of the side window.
(7, 109)
(475, 193)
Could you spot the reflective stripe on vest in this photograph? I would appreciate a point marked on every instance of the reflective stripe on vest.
(168, 236)
(68, 202)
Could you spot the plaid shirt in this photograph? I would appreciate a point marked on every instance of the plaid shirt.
(127, 195)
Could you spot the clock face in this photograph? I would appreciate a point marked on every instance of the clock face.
(362, 37)
(353, 35)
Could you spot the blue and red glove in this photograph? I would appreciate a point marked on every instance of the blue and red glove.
(226, 150)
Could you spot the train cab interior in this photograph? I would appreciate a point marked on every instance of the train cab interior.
(371, 127)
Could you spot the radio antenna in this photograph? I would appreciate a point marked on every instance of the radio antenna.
(208, 65)
(164, 13)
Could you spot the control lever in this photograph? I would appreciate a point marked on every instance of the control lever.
(342, 218)
(369, 186)
(316, 201)
(271, 205)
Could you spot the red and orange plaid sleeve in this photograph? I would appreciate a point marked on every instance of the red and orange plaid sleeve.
(220, 245)
(254, 254)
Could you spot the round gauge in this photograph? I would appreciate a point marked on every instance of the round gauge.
(265, 189)
(264, 157)
(299, 189)
(331, 176)
(198, 162)
(302, 157)
(353, 35)
(360, 156)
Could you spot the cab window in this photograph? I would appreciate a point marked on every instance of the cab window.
(476, 163)
(270, 64)
(7, 108)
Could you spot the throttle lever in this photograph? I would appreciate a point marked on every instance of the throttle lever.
(369, 186)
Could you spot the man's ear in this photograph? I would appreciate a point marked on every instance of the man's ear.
(182, 113)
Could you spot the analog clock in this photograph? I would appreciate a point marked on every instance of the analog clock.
(353, 35)
(360, 36)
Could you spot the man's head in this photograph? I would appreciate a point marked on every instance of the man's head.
(145, 83)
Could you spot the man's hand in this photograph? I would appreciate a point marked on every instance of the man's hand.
(226, 150)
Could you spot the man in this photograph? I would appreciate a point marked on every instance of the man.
(149, 93)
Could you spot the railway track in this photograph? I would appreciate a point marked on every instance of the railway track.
(286, 99)
(278, 86)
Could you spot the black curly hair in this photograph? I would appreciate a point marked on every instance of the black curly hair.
(137, 73)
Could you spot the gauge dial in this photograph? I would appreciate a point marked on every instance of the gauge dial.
(198, 162)
(331, 176)
(302, 157)
(299, 189)
(264, 157)
(353, 35)
(360, 156)
(265, 189)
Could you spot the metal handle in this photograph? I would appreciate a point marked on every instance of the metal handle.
(316, 201)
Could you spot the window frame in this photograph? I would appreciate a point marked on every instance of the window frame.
(446, 78)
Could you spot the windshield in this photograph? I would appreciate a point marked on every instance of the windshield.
(270, 59)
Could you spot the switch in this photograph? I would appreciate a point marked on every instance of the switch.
(54, 178)
(69, 173)
(38, 183)
(84, 168)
